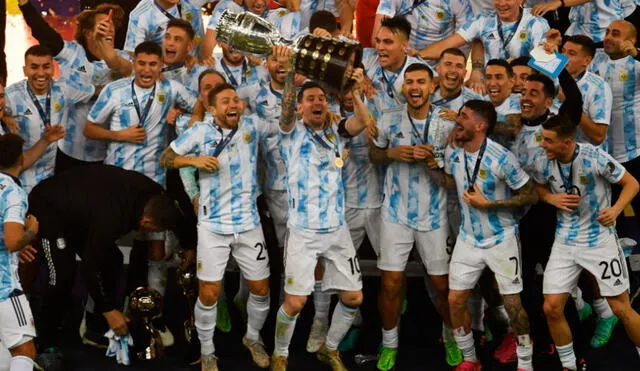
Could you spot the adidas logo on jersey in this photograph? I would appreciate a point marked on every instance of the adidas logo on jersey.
(400, 135)
(28, 112)
(456, 160)
(617, 283)
(82, 69)
(491, 37)
(516, 281)
(552, 178)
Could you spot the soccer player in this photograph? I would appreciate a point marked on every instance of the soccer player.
(18, 230)
(237, 69)
(226, 150)
(521, 70)
(414, 208)
(575, 178)
(312, 148)
(508, 32)
(596, 94)
(588, 18)
(40, 104)
(491, 185)
(148, 21)
(90, 59)
(286, 21)
(130, 114)
(450, 91)
(499, 79)
(430, 21)
(385, 65)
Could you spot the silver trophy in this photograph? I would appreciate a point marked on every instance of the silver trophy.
(328, 61)
(188, 285)
(145, 304)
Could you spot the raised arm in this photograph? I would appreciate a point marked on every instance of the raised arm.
(120, 65)
(359, 122)
(40, 29)
(288, 116)
(434, 50)
(572, 105)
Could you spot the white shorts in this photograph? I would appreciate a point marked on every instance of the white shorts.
(396, 242)
(468, 262)
(247, 248)
(337, 254)
(606, 262)
(278, 204)
(16, 322)
(364, 222)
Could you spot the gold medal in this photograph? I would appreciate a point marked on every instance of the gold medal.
(339, 163)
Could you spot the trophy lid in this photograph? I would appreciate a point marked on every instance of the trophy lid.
(145, 302)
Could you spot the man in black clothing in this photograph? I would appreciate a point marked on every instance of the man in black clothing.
(83, 212)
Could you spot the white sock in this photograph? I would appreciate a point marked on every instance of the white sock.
(357, 322)
(341, 322)
(447, 334)
(390, 338)
(466, 344)
(602, 308)
(501, 313)
(205, 325)
(567, 356)
(525, 353)
(21, 363)
(476, 309)
(285, 324)
(157, 275)
(576, 294)
(243, 289)
(257, 312)
(321, 302)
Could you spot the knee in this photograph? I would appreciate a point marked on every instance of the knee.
(259, 288)
(620, 309)
(293, 304)
(351, 298)
(552, 310)
(208, 293)
(391, 284)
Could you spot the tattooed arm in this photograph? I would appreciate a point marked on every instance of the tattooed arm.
(171, 160)
(288, 115)
(524, 196)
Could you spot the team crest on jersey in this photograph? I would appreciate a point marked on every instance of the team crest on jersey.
(482, 174)
(162, 98)
(331, 137)
(197, 40)
(538, 137)
(624, 76)
(282, 12)
(522, 36)
(584, 179)
(57, 107)
(247, 138)
(440, 15)
(249, 72)
(188, 17)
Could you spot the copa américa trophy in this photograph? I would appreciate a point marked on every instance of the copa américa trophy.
(326, 60)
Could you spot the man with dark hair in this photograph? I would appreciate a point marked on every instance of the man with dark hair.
(84, 61)
(84, 211)
(521, 70)
(414, 208)
(43, 104)
(386, 63)
(575, 178)
(499, 79)
(490, 185)
(450, 92)
(16, 320)
(323, 19)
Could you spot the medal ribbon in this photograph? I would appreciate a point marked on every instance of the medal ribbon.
(472, 179)
(45, 113)
(142, 115)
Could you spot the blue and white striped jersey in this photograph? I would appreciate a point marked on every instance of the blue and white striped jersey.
(268, 108)
(186, 77)
(593, 171)
(148, 23)
(411, 196)
(623, 77)
(65, 95)
(388, 84)
(74, 65)
(314, 182)
(527, 146)
(308, 7)
(228, 195)
(593, 17)
(455, 103)
(363, 188)
(510, 42)
(13, 209)
(498, 176)
(286, 21)
(115, 111)
(240, 76)
(511, 106)
(431, 21)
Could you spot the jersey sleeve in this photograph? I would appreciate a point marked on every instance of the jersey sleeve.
(539, 167)
(599, 109)
(188, 142)
(16, 208)
(608, 167)
(514, 176)
(539, 30)
(382, 140)
(135, 33)
(76, 91)
(102, 109)
(472, 29)
(462, 12)
(183, 97)
(67, 55)
(388, 8)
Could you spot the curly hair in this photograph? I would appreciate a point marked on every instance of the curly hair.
(86, 20)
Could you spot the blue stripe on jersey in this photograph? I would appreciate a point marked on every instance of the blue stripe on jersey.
(13, 208)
